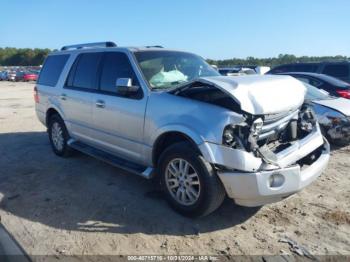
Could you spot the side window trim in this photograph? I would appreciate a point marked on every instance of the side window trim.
(71, 73)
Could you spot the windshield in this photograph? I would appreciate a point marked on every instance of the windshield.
(313, 93)
(167, 69)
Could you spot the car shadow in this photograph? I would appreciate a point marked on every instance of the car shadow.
(335, 147)
(83, 194)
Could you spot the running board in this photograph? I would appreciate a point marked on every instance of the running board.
(144, 171)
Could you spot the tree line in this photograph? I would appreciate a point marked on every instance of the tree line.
(10, 56)
(274, 61)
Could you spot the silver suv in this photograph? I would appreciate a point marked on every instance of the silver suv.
(168, 114)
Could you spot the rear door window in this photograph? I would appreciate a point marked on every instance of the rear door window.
(337, 70)
(83, 74)
(115, 65)
(52, 69)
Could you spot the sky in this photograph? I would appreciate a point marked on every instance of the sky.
(213, 29)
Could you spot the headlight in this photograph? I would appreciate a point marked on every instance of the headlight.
(307, 118)
(228, 136)
(257, 126)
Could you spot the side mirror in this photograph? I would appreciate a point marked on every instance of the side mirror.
(124, 86)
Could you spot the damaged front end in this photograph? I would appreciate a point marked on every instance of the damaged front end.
(267, 135)
(269, 157)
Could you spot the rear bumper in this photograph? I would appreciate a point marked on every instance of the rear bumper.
(251, 182)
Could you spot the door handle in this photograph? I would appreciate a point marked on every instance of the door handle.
(100, 104)
(63, 97)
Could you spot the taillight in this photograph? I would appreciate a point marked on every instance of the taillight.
(344, 93)
(36, 95)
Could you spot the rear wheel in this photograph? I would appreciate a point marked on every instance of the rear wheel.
(58, 136)
(191, 185)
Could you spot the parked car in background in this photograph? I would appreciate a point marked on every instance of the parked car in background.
(332, 85)
(165, 113)
(16, 76)
(11, 76)
(19, 76)
(243, 70)
(340, 70)
(3, 75)
(333, 114)
(30, 76)
(236, 71)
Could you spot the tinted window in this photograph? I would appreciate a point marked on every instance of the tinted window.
(310, 80)
(115, 65)
(303, 79)
(52, 69)
(83, 73)
(305, 68)
(282, 69)
(223, 71)
(336, 70)
(334, 81)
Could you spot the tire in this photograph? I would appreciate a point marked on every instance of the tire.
(59, 136)
(204, 181)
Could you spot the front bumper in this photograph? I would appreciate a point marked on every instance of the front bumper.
(249, 180)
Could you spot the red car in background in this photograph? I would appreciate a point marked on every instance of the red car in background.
(30, 76)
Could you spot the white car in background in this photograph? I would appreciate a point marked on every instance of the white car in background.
(333, 114)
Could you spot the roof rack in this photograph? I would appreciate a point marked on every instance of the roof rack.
(97, 44)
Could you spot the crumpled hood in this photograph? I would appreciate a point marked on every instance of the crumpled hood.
(340, 104)
(261, 94)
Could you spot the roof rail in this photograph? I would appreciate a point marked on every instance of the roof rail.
(97, 44)
(156, 46)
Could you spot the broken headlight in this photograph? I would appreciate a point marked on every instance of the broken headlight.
(228, 137)
(256, 126)
(232, 136)
(307, 119)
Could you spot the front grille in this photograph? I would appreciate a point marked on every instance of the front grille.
(274, 124)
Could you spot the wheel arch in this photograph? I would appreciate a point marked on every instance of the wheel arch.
(50, 112)
(169, 138)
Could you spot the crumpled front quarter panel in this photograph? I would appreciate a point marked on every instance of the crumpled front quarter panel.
(198, 120)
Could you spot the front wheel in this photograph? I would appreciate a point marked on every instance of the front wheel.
(191, 184)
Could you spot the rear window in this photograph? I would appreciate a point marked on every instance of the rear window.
(336, 70)
(84, 71)
(52, 69)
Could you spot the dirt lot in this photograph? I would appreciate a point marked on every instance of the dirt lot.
(80, 205)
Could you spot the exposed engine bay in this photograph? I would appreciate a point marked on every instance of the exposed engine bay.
(263, 135)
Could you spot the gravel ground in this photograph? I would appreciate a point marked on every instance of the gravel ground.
(80, 205)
